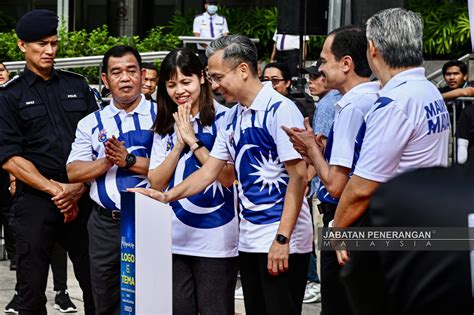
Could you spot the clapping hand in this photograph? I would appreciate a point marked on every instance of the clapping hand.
(116, 152)
(303, 140)
(184, 129)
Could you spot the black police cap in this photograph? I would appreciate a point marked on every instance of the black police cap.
(37, 24)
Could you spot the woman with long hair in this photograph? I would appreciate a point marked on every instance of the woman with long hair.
(205, 226)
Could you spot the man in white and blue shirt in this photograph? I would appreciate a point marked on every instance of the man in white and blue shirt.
(344, 46)
(275, 238)
(408, 126)
(111, 151)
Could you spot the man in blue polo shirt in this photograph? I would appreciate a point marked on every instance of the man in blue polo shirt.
(344, 64)
(112, 150)
(408, 126)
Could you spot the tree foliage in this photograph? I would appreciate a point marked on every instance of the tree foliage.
(446, 27)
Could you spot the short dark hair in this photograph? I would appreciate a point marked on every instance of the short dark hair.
(189, 64)
(119, 51)
(285, 72)
(149, 66)
(351, 41)
(455, 63)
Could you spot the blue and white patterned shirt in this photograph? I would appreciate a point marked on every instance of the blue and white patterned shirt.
(204, 224)
(255, 142)
(93, 131)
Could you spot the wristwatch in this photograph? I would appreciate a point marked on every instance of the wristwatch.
(130, 160)
(281, 239)
(198, 144)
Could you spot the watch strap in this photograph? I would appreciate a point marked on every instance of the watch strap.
(198, 144)
(130, 160)
(281, 239)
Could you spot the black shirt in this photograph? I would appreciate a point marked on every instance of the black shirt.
(38, 118)
(454, 103)
(415, 282)
(465, 127)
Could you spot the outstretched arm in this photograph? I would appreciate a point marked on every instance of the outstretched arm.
(194, 184)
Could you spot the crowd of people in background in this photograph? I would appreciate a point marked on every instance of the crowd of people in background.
(249, 170)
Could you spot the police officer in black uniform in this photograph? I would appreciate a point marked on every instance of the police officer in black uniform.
(39, 112)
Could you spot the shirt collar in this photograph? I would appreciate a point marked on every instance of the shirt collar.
(261, 100)
(142, 108)
(414, 74)
(31, 77)
(363, 88)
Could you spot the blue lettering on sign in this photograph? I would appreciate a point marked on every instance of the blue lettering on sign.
(127, 254)
(437, 116)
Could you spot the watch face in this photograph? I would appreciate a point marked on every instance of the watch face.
(281, 239)
(130, 160)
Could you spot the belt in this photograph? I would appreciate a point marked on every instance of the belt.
(113, 214)
(327, 208)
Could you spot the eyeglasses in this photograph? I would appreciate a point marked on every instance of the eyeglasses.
(274, 81)
(217, 78)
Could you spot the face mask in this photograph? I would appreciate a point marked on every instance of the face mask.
(211, 9)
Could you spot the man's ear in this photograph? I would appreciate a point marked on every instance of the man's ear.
(244, 70)
(371, 49)
(143, 75)
(347, 63)
(22, 45)
(104, 79)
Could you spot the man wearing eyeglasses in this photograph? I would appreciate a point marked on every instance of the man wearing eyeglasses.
(276, 236)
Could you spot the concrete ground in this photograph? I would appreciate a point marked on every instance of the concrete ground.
(7, 284)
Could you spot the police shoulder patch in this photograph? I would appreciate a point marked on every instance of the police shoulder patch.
(9, 83)
(71, 73)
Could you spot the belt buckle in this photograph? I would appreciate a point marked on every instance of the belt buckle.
(116, 214)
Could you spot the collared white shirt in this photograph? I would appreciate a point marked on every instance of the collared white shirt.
(202, 25)
(287, 42)
(407, 128)
(205, 224)
(255, 142)
(341, 148)
(93, 131)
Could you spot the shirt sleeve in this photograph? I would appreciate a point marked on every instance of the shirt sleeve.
(11, 136)
(289, 116)
(82, 146)
(346, 127)
(219, 150)
(387, 133)
(323, 118)
(225, 28)
(465, 123)
(91, 101)
(196, 25)
(158, 151)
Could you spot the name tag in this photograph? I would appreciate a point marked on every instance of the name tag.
(72, 96)
(30, 103)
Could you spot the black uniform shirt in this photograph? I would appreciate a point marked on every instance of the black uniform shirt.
(38, 118)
